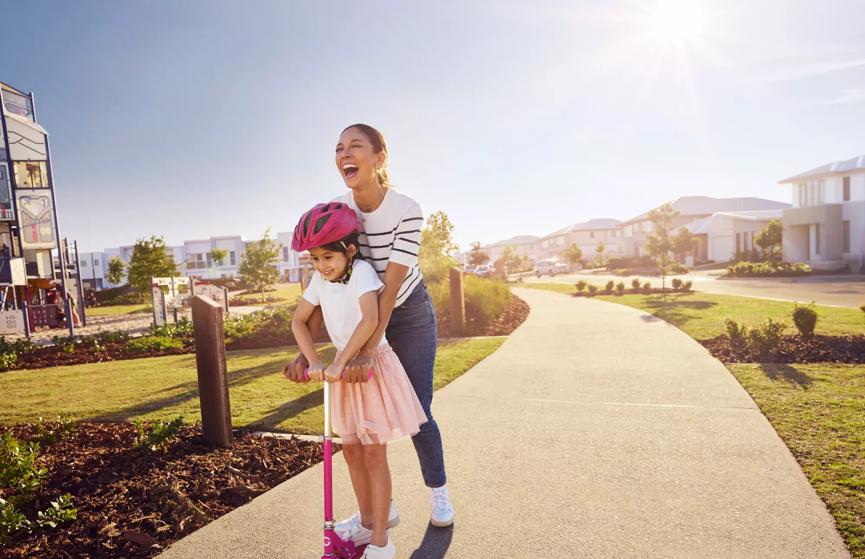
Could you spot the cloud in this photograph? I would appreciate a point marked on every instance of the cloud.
(847, 97)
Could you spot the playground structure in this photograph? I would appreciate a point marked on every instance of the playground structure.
(33, 292)
(176, 292)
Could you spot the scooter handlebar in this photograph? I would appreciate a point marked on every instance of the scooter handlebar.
(342, 376)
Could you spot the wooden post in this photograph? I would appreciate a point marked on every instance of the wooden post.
(207, 323)
(458, 301)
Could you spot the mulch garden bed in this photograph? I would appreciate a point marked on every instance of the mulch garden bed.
(793, 349)
(515, 313)
(134, 502)
(56, 355)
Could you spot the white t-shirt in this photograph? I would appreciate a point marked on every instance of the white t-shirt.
(391, 233)
(340, 302)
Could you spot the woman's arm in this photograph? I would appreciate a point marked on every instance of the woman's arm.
(394, 275)
(362, 332)
(303, 336)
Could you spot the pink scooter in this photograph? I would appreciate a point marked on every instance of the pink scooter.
(334, 546)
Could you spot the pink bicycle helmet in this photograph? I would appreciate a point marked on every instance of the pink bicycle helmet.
(324, 224)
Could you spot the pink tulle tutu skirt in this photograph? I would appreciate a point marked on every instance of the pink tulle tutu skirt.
(383, 409)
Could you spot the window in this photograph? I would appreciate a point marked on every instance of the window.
(591, 234)
(738, 242)
(209, 260)
(196, 262)
(821, 188)
(231, 258)
(285, 254)
(17, 104)
(846, 189)
(817, 239)
(846, 227)
(31, 174)
(801, 194)
(96, 262)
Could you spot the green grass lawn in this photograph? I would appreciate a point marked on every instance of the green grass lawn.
(114, 310)
(819, 412)
(165, 387)
(701, 315)
(285, 293)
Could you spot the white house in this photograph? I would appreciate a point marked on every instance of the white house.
(826, 225)
(588, 236)
(724, 234)
(522, 245)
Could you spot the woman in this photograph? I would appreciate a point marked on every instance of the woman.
(392, 223)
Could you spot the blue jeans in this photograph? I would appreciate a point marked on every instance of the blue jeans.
(412, 335)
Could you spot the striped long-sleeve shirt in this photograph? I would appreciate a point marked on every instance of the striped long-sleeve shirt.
(391, 233)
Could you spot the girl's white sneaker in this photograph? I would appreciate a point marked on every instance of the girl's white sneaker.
(442, 510)
(376, 552)
(347, 524)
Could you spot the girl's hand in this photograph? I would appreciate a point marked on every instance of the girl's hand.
(358, 368)
(316, 371)
(333, 373)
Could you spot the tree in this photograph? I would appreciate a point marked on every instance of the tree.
(770, 239)
(508, 262)
(437, 247)
(258, 266)
(684, 242)
(478, 256)
(600, 250)
(659, 243)
(217, 255)
(116, 270)
(150, 259)
(573, 255)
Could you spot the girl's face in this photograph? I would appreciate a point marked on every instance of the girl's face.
(356, 159)
(331, 264)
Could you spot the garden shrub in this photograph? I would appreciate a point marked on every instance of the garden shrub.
(647, 287)
(635, 284)
(155, 435)
(610, 285)
(677, 284)
(581, 286)
(736, 332)
(113, 337)
(620, 288)
(766, 336)
(145, 344)
(592, 290)
(686, 286)
(182, 329)
(485, 300)
(762, 269)
(676, 268)
(805, 318)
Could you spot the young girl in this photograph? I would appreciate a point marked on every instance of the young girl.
(366, 414)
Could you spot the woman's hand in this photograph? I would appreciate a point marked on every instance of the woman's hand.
(333, 373)
(358, 368)
(294, 370)
(316, 371)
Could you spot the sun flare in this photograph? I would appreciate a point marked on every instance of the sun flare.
(677, 21)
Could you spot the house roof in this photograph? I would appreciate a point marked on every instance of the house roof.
(706, 205)
(855, 164)
(518, 240)
(702, 225)
(591, 225)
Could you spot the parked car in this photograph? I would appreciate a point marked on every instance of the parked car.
(551, 267)
(483, 271)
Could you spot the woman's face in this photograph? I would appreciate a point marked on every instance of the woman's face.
(356, 159)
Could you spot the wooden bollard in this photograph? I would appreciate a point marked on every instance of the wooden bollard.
(207, 323)
(458, 301)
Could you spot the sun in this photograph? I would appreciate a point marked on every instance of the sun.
(677, 21)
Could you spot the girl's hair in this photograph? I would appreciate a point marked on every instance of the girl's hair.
(350, 239)
(379, 145)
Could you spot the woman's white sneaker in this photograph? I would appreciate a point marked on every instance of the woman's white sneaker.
(442, 510)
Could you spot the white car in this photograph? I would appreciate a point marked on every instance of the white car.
(483, 270)
(551, 267)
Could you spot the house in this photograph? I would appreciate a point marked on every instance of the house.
(690, 208)
(588, 236)
(724, 235)
(826, 225)
(522, 245)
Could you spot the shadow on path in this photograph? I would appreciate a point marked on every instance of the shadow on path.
(435, 543)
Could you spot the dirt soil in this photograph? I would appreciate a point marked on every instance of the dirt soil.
(133, 502)
(793, 349)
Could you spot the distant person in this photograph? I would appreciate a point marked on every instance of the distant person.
(373, 412)
(392, 223)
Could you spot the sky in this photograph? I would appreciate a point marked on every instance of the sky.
(191, 119)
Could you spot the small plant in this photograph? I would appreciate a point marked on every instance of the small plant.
(145, 344)
(58, 512)
(862, 308)
(766, 337)
(113, 337)
(182, 329)
(805, 318)
(647, 287)
(155, 435)
(581, 286)
(49, 434)
(610, 285)
(635, 284)
(677, 284)
(592, 290)
(736, 332)
(686, 286)
(620, 288)
(18, 470)
(7, 361)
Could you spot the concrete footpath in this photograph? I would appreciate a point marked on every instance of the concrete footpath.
(595, 431)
